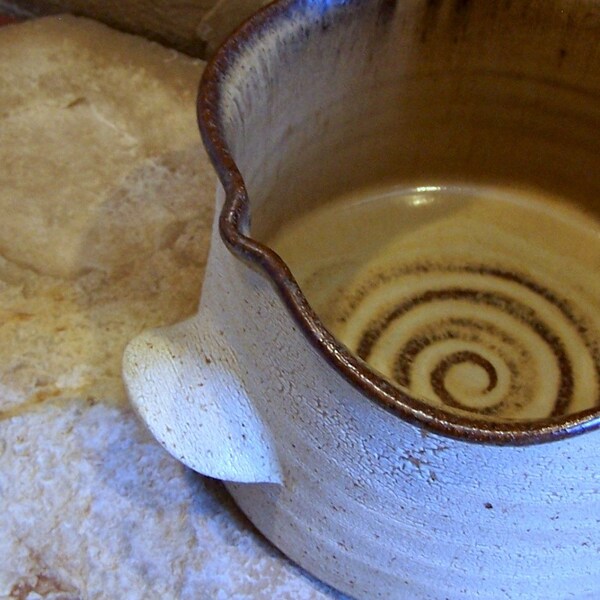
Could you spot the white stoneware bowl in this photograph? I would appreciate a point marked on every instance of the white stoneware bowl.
(366, 487)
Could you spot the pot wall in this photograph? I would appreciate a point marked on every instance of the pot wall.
(324, 97)
(379, 508)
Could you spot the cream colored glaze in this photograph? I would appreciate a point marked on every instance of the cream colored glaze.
(362, 256)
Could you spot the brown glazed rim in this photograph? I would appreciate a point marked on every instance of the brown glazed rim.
(234, 219)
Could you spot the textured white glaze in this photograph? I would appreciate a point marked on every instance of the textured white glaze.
(373, 506)
(187, 388)
(188, 385)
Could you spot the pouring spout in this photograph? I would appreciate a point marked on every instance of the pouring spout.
(183, 382)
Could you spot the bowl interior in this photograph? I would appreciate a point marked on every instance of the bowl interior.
(326, 100)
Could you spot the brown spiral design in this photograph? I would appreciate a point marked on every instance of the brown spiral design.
(476, 339)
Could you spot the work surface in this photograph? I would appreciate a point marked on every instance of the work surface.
(90, 505)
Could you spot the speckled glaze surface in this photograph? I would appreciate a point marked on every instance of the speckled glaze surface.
(370, 489)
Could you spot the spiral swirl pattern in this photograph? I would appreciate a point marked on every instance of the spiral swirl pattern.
(474, 339)
(481, 301)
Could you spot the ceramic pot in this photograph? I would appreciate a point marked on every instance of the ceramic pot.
(366, 487)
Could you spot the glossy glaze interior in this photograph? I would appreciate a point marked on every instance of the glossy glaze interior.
(318, 98)
(426, 91)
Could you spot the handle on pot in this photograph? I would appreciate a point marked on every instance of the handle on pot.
(183, 382)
